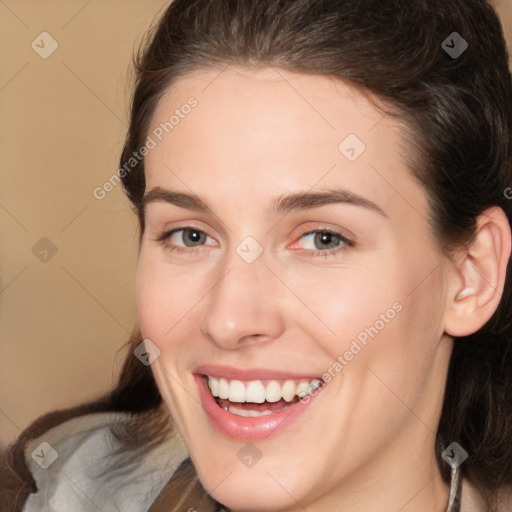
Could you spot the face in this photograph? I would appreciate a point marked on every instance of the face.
(287, 246)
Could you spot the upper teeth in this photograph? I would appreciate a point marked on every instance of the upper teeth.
(255, 391)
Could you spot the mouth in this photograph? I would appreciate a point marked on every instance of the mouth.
(259, 397)
(257, 408)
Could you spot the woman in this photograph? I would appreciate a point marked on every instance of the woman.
(324, 276)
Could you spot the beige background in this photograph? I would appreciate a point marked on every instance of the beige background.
(63, 321)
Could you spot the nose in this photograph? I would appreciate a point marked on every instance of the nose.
(242, 307)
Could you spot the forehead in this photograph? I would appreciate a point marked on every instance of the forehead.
(271, 97)
(267, 126)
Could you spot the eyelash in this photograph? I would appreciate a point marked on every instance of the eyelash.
(345, 242)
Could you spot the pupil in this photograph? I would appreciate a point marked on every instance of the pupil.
(194, 236)
(325, 238)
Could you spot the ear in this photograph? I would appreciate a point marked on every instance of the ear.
(478, 278)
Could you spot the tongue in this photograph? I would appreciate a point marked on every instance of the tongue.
(249, 406)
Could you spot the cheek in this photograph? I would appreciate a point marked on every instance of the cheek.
(169, 303)
(158, 295)
(399, 344)
(387, 318)
(338, 305)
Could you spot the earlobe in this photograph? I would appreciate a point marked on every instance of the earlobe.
(479, 278)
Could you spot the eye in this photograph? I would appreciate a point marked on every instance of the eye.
(328, 241)
(188, 235)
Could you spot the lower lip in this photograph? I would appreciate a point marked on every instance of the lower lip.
(250, 428)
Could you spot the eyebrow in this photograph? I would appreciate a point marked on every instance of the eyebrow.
(283, 204)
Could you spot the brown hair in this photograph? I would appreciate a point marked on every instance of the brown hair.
(459, 113)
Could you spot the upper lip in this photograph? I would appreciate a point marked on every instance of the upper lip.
(246, 374)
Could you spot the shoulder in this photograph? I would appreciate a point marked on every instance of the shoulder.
(74, 468)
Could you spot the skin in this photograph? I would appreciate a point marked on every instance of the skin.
(367, 440)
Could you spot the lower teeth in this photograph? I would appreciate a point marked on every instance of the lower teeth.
(242, 412)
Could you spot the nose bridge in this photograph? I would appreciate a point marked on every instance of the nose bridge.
(240, 305)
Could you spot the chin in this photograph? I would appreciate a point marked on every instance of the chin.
(248, 494)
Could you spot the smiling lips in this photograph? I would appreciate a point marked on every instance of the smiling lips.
(254, 404)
